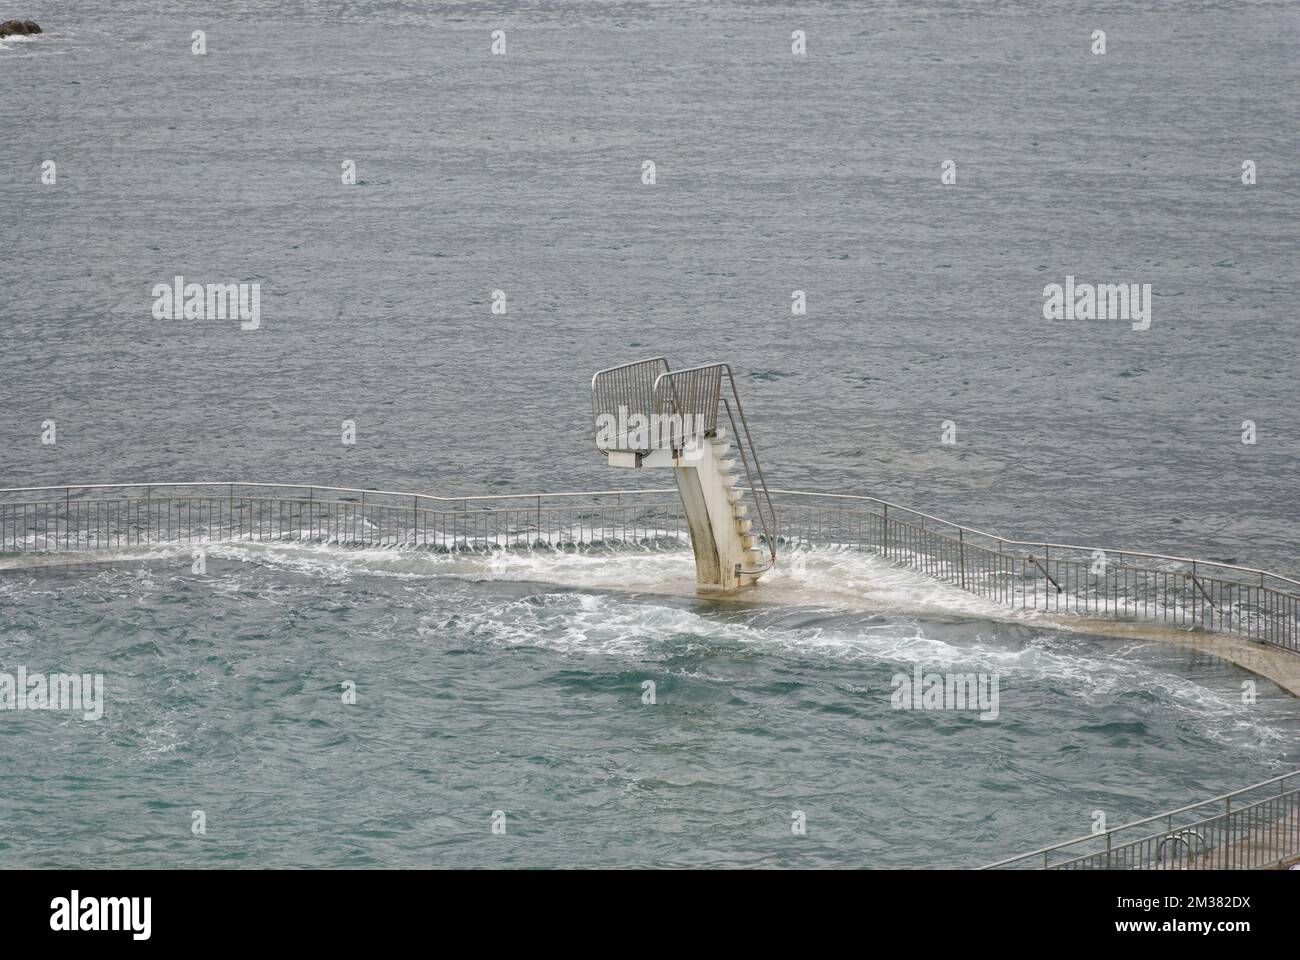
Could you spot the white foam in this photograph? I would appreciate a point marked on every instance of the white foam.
(613, 625)
(617, 618)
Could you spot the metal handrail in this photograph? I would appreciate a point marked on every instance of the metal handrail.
(743, 441)
(318, 486)
(1166, 816)
(473, 498)
(1224, 598)
(1006, 541)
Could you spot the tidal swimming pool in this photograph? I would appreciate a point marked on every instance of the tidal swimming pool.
(319, 707)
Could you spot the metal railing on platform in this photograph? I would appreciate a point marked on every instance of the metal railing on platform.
(620, 393)
(1253, 828)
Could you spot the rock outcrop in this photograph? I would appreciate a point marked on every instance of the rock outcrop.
(19, 28)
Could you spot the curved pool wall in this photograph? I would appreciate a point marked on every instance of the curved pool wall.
(1092, 582)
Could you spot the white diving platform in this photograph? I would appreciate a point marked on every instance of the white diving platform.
(649, 417)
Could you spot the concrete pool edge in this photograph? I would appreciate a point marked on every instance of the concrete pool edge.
(1275, 664)
(1272, 663)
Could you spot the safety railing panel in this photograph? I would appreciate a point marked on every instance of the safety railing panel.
(120, 517)
(1051, 577)
(689, 399)
(1253, 828)
(622, 402)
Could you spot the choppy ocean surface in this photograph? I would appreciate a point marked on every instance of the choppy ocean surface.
(520, 689)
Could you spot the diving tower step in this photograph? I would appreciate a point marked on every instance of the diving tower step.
(624, 458)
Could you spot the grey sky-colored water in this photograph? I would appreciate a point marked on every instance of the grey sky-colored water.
(523, 173)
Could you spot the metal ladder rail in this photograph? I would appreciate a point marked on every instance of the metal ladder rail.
(710, 390)
(768, 534)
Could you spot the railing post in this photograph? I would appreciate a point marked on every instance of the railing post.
(1227, 824)
(885, 534)
(67, 517)
(148, 515)
(961, 554)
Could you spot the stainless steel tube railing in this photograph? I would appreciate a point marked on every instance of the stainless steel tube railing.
(697, 392)
(1249, 829)
(1184, 592)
